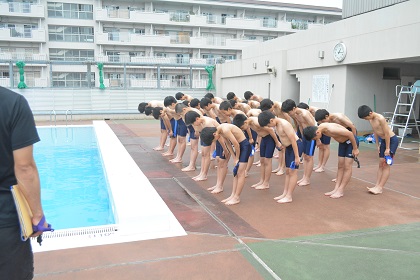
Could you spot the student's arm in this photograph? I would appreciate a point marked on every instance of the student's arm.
(211, 114)
(352, 139)
(274, 136)
(225, 147)
(167, 124)
(251, 140)
(387, 136)
(375, 135)
(229, 135)
(290, 132)
(348, 123)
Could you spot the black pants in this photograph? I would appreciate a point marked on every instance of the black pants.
(16, 257)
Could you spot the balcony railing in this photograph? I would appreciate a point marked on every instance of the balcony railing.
(202, 19)
(22, 34)
(22, 9)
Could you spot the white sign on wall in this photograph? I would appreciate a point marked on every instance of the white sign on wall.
(320, 88)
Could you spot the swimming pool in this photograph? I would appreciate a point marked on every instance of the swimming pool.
(74, 185)
(139, 211)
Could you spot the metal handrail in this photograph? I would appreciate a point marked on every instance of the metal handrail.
(55, 117)
(71, 116)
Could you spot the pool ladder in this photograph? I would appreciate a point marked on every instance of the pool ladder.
(54, 113)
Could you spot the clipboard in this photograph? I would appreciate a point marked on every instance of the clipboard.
(24, 212)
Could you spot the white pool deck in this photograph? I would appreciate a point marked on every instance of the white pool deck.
(140, 213)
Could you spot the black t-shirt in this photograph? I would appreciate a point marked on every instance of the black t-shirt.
(17, 130)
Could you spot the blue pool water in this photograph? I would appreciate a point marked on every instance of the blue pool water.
(73, 182)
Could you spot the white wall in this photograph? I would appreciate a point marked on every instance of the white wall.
(386, 37)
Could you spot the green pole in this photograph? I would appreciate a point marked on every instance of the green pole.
(21, 65)
(210, 85)
(101, 75)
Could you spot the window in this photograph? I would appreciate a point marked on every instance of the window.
(69, 10)
(70, 33)
(71, 55)
(73, 80)
(267, 38)
(391, 73)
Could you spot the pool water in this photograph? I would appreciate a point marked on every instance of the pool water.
(74, 186)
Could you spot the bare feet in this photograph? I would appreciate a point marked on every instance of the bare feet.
(319, 170)
(199, 178)
(175, 160)
(262, 187)
(337, 194)
(232, 201)
(334, 180)
(285, 200)
(227, 199)
(276, 170)
(329, 193)
(212, 188)
(304, 183)
(316, 167)
(188, 168)
(217, 190)
(246, 174)
(165, 154)
(280, 172)
(279, 197)
(256, 185)
(256, 163)
(375, 190)
(158, 148)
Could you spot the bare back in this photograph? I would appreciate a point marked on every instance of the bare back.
(254, 125)
(336, 131)
(304, 118)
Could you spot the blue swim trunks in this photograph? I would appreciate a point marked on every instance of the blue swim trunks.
(174, 125)
(245, 152)
(219, 150)
(290, 154)
(162, 124)
(308, 147)
(393, 145)
(267, 147)
(346, 149)
(326, 140)
(181, 128)
(191, 130)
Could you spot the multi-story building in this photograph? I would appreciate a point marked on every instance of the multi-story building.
(142, 44)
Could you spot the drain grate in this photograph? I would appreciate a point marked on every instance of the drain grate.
(91, 232)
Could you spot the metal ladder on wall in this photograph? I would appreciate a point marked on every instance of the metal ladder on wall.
(404, 109)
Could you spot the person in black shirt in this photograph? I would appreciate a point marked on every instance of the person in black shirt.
(17, 166)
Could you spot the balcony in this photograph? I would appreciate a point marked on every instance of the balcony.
(125, 38)
(131, 16)
(22, 35)
(150, 60)
(19, 9)
(23, 56)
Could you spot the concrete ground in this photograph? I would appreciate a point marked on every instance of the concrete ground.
(359, 236)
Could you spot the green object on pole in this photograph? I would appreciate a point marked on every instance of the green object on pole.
(374, 102)
(21, 65)
(101, 75)
(210, 85)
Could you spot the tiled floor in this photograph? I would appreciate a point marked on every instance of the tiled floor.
(359, 236)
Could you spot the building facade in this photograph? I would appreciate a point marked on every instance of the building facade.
(141, 44)
(355, 61)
